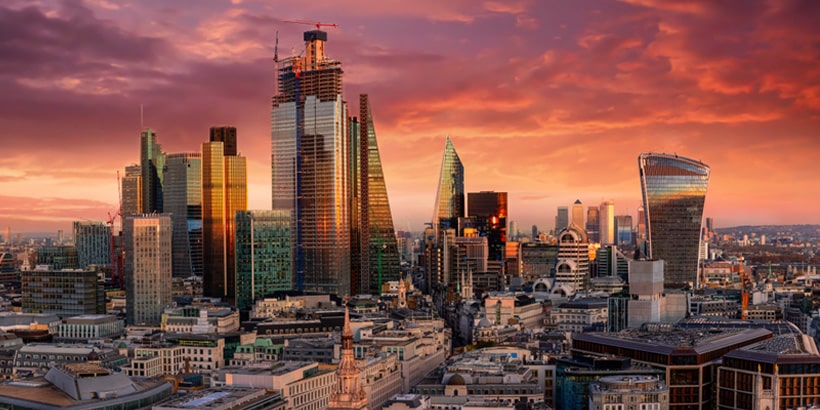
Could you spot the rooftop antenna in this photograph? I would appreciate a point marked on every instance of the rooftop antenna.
(276, 48)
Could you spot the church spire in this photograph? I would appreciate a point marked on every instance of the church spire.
(348, 393)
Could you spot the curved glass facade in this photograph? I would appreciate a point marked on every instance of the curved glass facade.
(674, 191)
(450, 195)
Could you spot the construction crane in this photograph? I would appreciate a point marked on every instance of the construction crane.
(116, 258)
(318, 24)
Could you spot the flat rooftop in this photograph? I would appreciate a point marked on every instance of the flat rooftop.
(677, 339)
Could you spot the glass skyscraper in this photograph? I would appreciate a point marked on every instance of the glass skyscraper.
(450, 194)
(132, 190)
(224, 191)
(488, 213)
(182, 198)
(674, 191)
(311, 166)
(93, 243)
(623, 230)
(152, 161)
(374, 246)
(263, 255)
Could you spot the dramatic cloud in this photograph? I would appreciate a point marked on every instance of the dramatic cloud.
(548, 100)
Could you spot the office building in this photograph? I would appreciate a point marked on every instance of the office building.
(93, 243)
(640, 392)
(152, 162)
(674, 191)
(578, 213)
(263, 255)
(227, 136)
(303, 385)
(224, 191)
(606, 223)
(593, 224)
(311, 166)
(488, 215)
(66, 293)
(450, 194)
(57, 257)
(147, 267)
(81, 329)
(512, 231)
(561, 219)
(538, 260)
(640, 230)
(375, 252)
(534, 233)
(572, 268)
(131, 185)
(182, 199)
(623, 230)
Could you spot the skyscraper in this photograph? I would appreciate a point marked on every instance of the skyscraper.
(593, 224)
(152, 161)
(147, 267)
(450, 194)
(606, 223)
(263, 255)
(561, 219)
(375, 255)
(132, 190)
(226, 135)
(623, 230)
(311, 166)
(93, 243)
(572, 268)
(182, 198)
(224, 191)
(578, 214)
(488, 212)
(674, 191)
(535, 233)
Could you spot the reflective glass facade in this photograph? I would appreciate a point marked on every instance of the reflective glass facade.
(311, 167)
(488, 213)
(263, 255)
(450, 194)
(132, 190)
(623, 229)
(152, 161)
(674, 191)
(182, 198)
(93, 243)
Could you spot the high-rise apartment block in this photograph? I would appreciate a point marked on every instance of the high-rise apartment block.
(132, 190)
(674, 192)
(182, 197)
(147, 267)
(93, 243)
(152, 161)
(311, 165)
(224, 191)
(263, 255)
(606, 223)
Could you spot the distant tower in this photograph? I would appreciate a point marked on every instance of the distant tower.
(535, 233)
(263, 255)
(348, 393)
(674, 192)
(593, 224)
(132, 190)
(606, 222)
(182, 199)
(152, 162)
(623, 230)
(572, 268)
(224, 191)
(561, 219)
(450, 195)
(512, 232)
(578, 213)
(93, 243)
(402, 294)
(488, 211)
(147, 267)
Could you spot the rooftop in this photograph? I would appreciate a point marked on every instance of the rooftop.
(213, 398)
(780, 349)
(675, 339)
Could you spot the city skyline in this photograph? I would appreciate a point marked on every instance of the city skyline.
(546, 101)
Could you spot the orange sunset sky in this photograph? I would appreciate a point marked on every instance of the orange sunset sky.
(550, 101)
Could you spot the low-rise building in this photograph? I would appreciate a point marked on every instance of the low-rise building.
(633, 392)
(200, 320)
(156, 360)
(303, 385)
(88, 327)
(226, 398)
(580, 314)
(37, 358)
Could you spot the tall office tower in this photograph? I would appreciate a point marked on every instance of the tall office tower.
(183, 200)
(674, 191)
(152, 161)
(512, 232)
(60, 237)
(535, 233)
(263, 255)
(572, 268)
(224, 191)
(469, 255)
(93, 243)
(623, 230)
(593, 224)
(132, 190)
(226, 135)
(311, 166)
(606, 223)
(488, 211)
(374, 248)
(561, 219)
(710, 229)
(147, 267)
(640, 229)
(578, 214)
(450, 194)
(347, 394)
